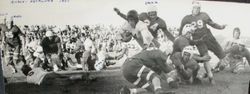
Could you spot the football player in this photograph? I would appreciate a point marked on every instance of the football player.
(143, 70)
(183, 41)
(199, 20)
(138, 29)
(186, 65)
(154, 23)
(234, 58)
(130, 45)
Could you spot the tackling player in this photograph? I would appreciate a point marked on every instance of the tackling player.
(186, 65)
(235, 57)
(143, 70)
(200, 20)
(178, 47)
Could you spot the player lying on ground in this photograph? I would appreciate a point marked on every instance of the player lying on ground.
(199, 21)
(143, 70)
(235, 61)
(236, 52)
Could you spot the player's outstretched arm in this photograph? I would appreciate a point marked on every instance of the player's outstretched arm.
(213, 24)
(120, 14)
(216, 26)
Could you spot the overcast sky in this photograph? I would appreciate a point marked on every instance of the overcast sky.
(83, 12)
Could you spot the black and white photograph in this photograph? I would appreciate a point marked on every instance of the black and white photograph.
(124, 47)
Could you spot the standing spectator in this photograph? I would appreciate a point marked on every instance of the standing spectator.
(13, 43)
(88, 55)
(52, 48)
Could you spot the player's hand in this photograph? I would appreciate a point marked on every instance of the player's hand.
(116, 10)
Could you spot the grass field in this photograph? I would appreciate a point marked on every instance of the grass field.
(110, 83)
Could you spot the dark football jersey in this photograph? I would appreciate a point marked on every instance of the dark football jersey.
(158, 24)
(154, 59)
(50, 46)
(199, 22)
(234, 51)
(180, 43)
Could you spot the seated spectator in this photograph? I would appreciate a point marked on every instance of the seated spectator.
(88, 55)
